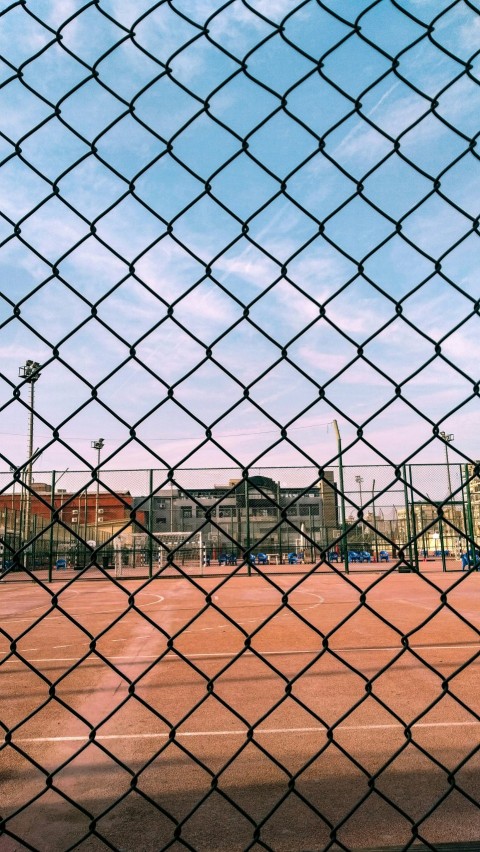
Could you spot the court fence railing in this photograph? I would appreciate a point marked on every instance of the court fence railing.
(150, 520)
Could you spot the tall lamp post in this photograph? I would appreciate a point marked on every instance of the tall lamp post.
(447, 439)
(98, 446)
(30, 373)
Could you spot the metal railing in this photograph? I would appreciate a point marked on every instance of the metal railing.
(428, 512)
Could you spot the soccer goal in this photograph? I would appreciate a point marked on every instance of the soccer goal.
(181, 548)
(164, 551)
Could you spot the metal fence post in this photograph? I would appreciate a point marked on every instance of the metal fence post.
(247, 528)
(414, 521)
(442, 544)
(52, 528)
(21, 537)
(342, 497)
(464, 510)
(33, 538)
(5, 540)
(150, 524)
(311, 533)
(15, 514)
(471, 549)
(424, 548)
(280, 521)
(374, 522)
(407, 513)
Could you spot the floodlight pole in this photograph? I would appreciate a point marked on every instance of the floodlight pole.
(98, 446)
(342, 496)
(448, 439)
(30, 372)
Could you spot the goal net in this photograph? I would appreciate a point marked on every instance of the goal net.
(144, 554)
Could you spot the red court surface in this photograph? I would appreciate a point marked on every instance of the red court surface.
(138, 712)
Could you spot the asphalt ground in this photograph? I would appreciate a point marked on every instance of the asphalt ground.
(244, 713)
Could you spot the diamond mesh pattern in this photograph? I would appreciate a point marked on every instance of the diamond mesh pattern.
(219, 217)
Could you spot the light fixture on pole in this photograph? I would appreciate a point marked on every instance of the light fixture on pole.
(447, 439)
(359, 480)
(98, 446)
(30, 373)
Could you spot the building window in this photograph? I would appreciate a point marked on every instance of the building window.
(160, 503)
(227, 512)
(200, 511)
(161, 519)
(307, 509)
(186, 512)
(266, 512)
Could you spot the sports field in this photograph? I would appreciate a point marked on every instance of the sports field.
(283, 713)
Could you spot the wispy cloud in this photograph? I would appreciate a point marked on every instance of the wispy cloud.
(176, 272)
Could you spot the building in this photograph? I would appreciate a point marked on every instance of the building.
(257, 513)
(432, 534)
(89, 514)
(472, 495)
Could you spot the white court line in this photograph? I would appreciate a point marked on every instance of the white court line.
(239, 733)
(160, 598)
(417, 605)
(172, 657)
(246, 605)
(25, 650)
(87, 608)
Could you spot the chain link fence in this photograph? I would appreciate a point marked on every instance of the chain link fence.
(223, 226)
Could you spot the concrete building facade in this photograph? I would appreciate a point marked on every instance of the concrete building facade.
(259, 513)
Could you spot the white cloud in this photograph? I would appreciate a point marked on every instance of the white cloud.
(399, 116)
(55, 12)
(169, 270)
(274, 9)
(325, 362)
(470, 34)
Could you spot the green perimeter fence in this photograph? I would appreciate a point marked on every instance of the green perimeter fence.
(155, 521)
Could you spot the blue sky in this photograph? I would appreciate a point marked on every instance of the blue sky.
(136, 198)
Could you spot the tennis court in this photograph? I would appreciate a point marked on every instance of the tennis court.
(253, 712)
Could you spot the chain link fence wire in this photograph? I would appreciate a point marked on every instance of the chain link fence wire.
(223, 226)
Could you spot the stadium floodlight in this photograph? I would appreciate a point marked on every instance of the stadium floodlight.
(447, 439)
(98, 446)
(30, 373)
